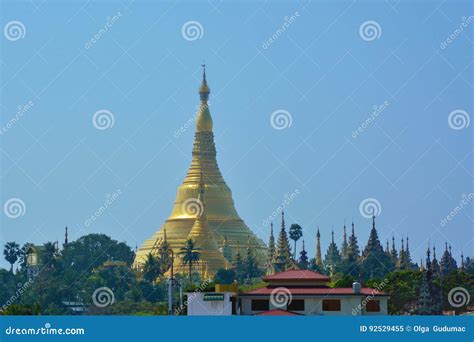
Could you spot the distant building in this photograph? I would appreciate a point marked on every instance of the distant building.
(306, 292)
(33, 261)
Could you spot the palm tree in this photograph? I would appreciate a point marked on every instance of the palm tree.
(189, 253)
(49, 254)
(23, 254)
(11, 253)
(151, 268)
(296, 232)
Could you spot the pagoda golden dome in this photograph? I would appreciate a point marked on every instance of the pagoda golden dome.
(222, 219)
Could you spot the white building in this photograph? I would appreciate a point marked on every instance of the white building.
(211, 303)
(306, 292)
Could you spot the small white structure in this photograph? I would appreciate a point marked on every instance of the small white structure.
(210, 303)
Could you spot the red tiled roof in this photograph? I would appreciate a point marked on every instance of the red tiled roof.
(297, 275)
(277, 312)
(365, 291)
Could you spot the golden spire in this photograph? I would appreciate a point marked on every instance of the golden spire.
(204, 119)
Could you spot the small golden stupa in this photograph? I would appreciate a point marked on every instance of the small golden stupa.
(224, 226)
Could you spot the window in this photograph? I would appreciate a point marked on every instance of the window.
(260, 305)
(372, 306)
(296, 305)
(331, 305)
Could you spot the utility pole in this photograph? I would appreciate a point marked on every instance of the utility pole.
(171, 286)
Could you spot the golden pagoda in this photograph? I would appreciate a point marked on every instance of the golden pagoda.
(223, 220)
(210, 256)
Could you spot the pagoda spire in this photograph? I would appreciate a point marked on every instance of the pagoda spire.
(393, 252)
(319, 260)
(271, 252)
(332, 259)
(303, 261)
(65, 237)
(344, 242)
(283, 255)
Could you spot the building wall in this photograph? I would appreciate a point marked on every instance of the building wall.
(198, 307)
(314, 306)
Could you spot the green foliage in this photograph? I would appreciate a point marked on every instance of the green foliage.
(403, 287)
(11, 253)
(295, 232)
(224, 276)
(190, 255)
(345, 281)
(91, 251)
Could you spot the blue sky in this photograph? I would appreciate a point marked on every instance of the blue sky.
(323, 70)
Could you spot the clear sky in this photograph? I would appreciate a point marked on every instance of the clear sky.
(323, 65)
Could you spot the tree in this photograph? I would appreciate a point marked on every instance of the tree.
(48, 255)
(23, 254)
(296, 232)
(424, 299)
(251, 265)
(11, 253)
(238, 267)
(190, 255)
(224, 276)
(151, 268)
(91, 251)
